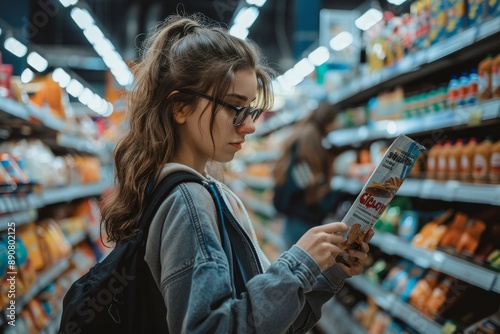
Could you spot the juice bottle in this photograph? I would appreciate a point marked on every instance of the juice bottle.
(495, 76)
(481, 162)
(495, 163)
(431, 160)
(485, 68)
(453, 91)
(442, 161)
(472, 92)
(463, 89)
(454, 160)
(466, 160)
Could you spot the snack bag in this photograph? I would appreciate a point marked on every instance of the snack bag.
(378, 192)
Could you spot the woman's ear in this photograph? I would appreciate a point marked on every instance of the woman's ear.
(180, 116)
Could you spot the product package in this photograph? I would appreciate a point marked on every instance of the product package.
(378, 192)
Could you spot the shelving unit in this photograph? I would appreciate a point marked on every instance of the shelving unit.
(342, 319)
(395, 306)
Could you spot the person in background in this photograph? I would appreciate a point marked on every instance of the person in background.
(197, 94)
(302, 174)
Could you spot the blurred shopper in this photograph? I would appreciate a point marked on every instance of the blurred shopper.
(303, 173)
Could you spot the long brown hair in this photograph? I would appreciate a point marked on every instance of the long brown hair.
(181, 53)
(308, 136)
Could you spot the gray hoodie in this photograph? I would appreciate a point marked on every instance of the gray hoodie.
(189, 265)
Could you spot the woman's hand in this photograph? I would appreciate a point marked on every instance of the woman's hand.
(359, 257)
(322, 243)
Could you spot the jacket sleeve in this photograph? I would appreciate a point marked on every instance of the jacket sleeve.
(196, 285)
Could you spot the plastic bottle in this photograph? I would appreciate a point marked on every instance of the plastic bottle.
(463, 89)
(454, 160)
(485, 68)
(432, 160)
(472, 92)
(495, 163)
(495, 76)
(481, 163)
(442, 161)
(466, 160)
(453, 88)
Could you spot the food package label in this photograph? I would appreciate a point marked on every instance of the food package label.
(379, 190)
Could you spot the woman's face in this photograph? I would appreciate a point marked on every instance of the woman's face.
(196, 146)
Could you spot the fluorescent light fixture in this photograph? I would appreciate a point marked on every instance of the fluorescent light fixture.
(93, 34)
(293, 77)
(82, 18)
(239, 31)
(67, 3)
(15, 47)
(109, 110)
(392, 127)
(341, 41)
(304, 67)
(319, 56)
(27, 75)
(246, 16)
(74, 88)
(0, 31)
(371, 17)
(103, 47)
(61, 77)
(37, 62)
(86, 96)
(396, 2)
(258, 3)
(96, 103)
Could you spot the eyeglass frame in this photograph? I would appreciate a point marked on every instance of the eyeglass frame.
(236, 109)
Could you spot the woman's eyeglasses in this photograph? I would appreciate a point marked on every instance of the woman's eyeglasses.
(241, 112)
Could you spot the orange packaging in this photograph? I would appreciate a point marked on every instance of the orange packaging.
(495, 163)
(467, 159)
(495, 77)
(442, 161)
(454, 160)
(485, 70)
(481, 162)
(432, 160)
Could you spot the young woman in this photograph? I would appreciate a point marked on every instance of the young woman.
(197, 94)
(303, 172)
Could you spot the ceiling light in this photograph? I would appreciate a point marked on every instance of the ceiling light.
(258, 3)
(82, 18)
(17, 48)
(304, 67)
(61, 77)
(246, 16)
(293, 77)
(239, 31)
(319, 56)
(27, 75)
(341, 41)
(0, 31)
(371, 17)
(96, 103)
(396, 2)
(109, 110)
(67, 3)
(74, 88)
(86, 96)
(37, 62)
(93, 34)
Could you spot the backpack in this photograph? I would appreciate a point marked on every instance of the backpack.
(119, 294)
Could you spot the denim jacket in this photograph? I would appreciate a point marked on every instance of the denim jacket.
(191, 269)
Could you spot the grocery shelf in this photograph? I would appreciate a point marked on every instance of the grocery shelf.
(259, 156)
(391, 129)
(44, 117)
(335, 315)
(49, 196)
(78, 143)
(257, 182)
(407, 70)
(395, 306)
(260, 207)
(440, 261)
(270, 236)
(77, 237)
(11, 108)
(43, 280)
(432, 189)
(19, 218)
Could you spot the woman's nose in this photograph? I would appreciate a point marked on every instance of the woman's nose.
(248, 126)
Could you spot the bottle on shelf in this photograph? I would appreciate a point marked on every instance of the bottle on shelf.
(442, 161)
(481, 162)
(466, 160)
(495, 76)
(5, 77)
(454, 160)
(485, 68)
(473, 89)
(453, 92)
(495, 163)
(463, 89)
(432, 160)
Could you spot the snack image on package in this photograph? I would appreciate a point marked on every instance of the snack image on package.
(378, 192)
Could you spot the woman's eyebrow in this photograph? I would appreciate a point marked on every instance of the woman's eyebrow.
(240, 97)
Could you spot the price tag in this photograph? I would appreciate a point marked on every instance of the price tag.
(471, 273)
(475, 117)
